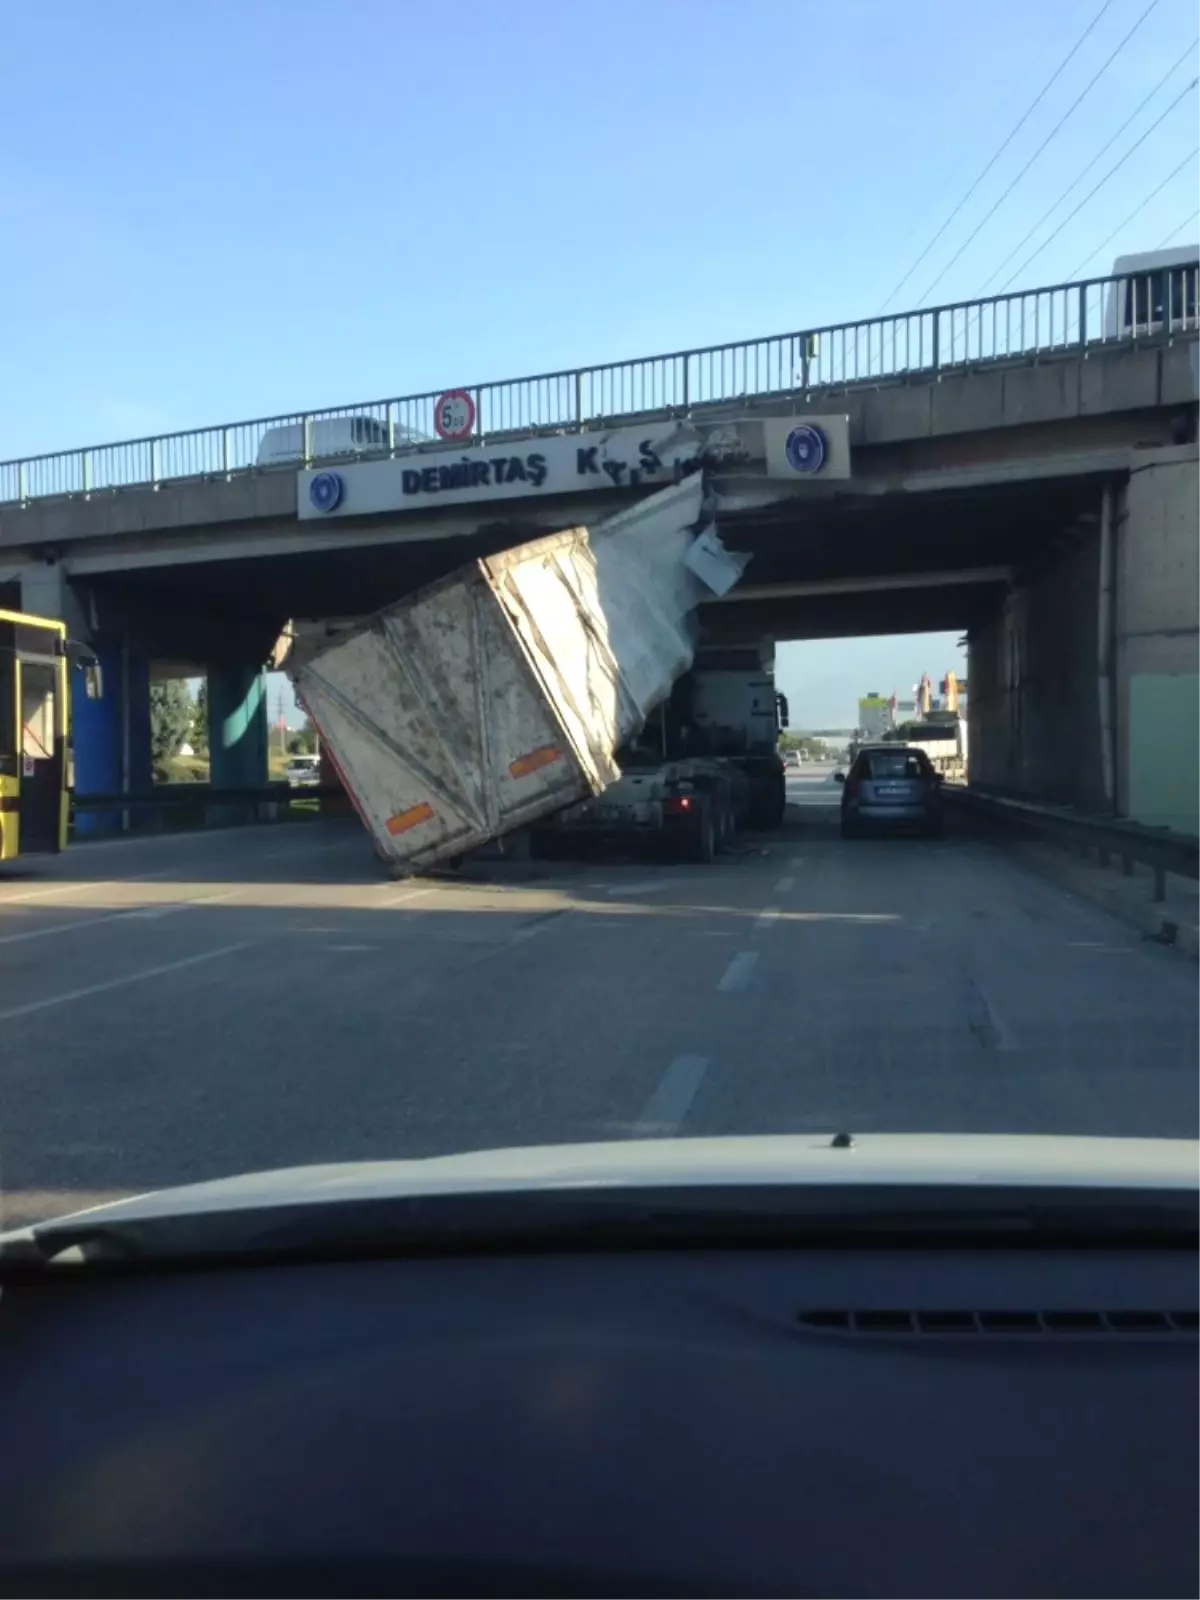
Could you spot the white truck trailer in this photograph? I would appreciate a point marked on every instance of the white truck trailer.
(503, 692)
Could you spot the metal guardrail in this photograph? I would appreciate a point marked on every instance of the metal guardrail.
(180, 796)
(1108, 837)
(1026, 325)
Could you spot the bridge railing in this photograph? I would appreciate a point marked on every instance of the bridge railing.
(1027, 325)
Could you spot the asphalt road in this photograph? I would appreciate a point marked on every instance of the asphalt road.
(181, 1008)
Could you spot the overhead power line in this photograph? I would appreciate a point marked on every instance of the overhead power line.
(1137, 210)
(1082, 174)
(1175, 232)
(1069, 112)
(1112, 171)
(1041, 95)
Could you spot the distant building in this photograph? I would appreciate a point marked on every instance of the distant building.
(876, 715)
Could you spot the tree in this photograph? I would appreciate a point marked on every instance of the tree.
(303, 742)
(171, 714)
(199, 734)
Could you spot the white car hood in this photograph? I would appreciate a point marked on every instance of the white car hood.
(786, 1161)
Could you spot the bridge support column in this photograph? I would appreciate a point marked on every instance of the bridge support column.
(110, 742)
(1035, 704)
(1157, 642)
(237, 734)
(111, 737)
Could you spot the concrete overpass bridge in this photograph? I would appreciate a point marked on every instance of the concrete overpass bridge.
(1022, 468)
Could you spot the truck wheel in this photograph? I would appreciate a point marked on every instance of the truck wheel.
(731, 817)
(702, 846)
(727, 825)
(779, 803)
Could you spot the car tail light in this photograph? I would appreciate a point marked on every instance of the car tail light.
(676, 804)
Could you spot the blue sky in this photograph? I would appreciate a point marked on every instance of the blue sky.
(241, 207)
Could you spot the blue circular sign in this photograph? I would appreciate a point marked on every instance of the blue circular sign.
(806, 448)
(326, 490)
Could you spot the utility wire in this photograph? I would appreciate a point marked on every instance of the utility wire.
(1071, 109)
(1104, 148)
(1186, 223)
(1137, 210)
(1112, 171)
(1055, 75)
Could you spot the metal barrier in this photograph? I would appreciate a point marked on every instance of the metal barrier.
(1108, 837)
(1026, 325)
(265, 803)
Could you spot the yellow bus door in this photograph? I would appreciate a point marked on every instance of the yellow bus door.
(42, 753)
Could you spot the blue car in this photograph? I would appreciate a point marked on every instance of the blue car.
(891, 786)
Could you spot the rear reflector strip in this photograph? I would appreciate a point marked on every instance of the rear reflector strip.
(535, 760)
(412, 818)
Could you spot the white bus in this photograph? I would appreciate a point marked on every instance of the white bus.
(1157, 294)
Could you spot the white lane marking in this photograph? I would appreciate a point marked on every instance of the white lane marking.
(151, 913)
(737, 973)
(671, 1101)
(82, 884)
(143, 913)
(28, 1009)
(409, 894)
(767, 919)
(785, 885)
(1006, 1039)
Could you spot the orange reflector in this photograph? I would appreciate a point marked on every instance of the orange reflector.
(412, 818)
(535, 760)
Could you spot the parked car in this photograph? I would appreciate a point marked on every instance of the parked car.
(888, 786)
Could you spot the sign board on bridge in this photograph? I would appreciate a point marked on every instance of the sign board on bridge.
(652, 455)
(454, 415)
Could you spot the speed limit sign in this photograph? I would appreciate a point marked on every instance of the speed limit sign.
(454, 415)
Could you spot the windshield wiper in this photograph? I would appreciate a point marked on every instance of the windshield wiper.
(631, 1217)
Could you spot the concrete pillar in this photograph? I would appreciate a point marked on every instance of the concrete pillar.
(111, 736)
(237, 733)
(1157, 568)
(46, 591)
(1034, 705)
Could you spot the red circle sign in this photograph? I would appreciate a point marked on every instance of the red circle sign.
(454, 415)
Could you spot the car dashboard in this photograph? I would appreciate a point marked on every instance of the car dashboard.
(815, 1421)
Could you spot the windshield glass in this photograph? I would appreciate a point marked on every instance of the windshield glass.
(893, 764)
(692, 658)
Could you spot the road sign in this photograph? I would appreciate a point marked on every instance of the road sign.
(454, 415)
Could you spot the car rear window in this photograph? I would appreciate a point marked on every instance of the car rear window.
(894, 764)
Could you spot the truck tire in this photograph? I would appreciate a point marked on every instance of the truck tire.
(702, 838)
(728, 824)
